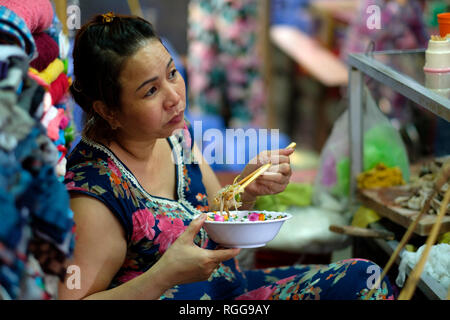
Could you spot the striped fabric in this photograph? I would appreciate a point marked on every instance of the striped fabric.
(12, 24)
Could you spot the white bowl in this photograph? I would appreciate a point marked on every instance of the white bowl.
(243, 233)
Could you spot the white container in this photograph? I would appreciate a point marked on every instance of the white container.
(438, 82)
(245, 234)
(437, 56)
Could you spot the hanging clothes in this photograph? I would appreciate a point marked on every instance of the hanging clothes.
(223, 62)
(36, 233)
(13, 26)
(48, 51)
(36, 14)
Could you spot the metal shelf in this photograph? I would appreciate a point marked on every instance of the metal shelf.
(386, 67)
(403, 72)
(400, 82)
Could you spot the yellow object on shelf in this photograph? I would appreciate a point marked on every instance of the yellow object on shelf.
(364, 216)
(380, 177)
(444, 238)
(410, 248)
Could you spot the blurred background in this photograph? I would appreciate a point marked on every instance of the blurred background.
(281, 64)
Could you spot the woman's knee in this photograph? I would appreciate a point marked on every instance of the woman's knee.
(365, 276)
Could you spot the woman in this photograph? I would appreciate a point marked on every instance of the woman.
(134, 196)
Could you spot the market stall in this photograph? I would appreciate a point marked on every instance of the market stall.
(400, 204)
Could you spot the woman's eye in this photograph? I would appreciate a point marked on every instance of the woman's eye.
(151, 92)
(172, 74)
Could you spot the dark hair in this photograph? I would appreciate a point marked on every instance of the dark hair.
(101, 47)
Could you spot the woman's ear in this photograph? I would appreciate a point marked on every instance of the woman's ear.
(107, 114)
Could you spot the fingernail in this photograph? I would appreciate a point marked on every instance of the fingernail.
(200, 216)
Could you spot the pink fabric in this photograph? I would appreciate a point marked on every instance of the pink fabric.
(64, 123)
(262, 293)
(171, 229)
(285, 280)
(112, 166)
(51, 121)
(143, 223)
(38, 14)
(129, 276)
(53, 126)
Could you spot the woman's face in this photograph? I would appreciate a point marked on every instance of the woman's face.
(153, 97)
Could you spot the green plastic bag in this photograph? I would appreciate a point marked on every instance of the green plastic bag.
(382, 143)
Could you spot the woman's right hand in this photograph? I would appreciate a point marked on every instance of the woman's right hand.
(185, 262)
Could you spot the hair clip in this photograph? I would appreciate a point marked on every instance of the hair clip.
(108, 17)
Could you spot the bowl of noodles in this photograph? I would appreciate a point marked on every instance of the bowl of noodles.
(244, 229)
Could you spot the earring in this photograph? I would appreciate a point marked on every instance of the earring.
(76, 86)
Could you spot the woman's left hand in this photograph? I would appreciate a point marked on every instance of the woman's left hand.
(274, 180)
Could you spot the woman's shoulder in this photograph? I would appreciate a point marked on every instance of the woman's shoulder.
(92, 172)
(91, 168)
(85, 153)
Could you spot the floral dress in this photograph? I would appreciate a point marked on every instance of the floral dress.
(153, 223)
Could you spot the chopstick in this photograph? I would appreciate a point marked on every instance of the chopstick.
(411, 283)
(292, 145)
(252, 176)
(362, 232)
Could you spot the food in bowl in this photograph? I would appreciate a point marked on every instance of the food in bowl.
(244, 229)
(228, 197)
(249, 216)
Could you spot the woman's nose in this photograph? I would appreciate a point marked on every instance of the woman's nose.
(172, 97)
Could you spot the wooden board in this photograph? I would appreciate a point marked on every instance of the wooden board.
(382, 201)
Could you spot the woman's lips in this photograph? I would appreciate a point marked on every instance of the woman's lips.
(176, 119)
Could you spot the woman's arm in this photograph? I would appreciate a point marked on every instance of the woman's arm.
(100, 251)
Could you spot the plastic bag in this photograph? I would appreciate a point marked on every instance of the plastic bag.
(437, 265)
(295, 194)
(382, 143)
